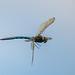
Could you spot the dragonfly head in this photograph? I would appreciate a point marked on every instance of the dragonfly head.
(45, 39)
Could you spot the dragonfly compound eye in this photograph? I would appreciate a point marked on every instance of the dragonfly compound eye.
(44, 39)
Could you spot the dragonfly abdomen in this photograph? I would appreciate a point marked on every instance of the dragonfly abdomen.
(17, 37)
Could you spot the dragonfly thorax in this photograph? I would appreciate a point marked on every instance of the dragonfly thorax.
(41, 39)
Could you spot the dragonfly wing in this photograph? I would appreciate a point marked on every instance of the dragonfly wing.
(32, 46)
(45, 25)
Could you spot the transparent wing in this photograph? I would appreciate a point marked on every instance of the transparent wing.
(32, 46)
(45, 25)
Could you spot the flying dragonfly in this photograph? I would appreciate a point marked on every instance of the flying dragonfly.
(35, 39)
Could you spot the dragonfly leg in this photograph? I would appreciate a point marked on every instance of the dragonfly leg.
(36, 46)
(28, 40)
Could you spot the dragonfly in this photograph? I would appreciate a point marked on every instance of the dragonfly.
(35, 39)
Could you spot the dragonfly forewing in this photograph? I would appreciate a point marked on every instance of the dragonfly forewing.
(45, 25)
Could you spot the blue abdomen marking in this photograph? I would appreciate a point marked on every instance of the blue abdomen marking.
(17, 37)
